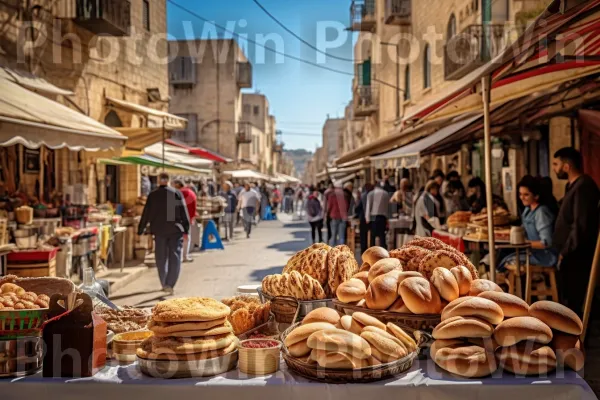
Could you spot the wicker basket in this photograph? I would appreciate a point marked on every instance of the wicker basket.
(304, 306)
(16, 324)
(425, 323)
(336, 376)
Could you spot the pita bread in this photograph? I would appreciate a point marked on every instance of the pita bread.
(169, 327)
(145, 352)
(172, 345)
(214, 331)
(189, 309)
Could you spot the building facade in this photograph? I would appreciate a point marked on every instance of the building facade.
(333, 129)
(256, 113)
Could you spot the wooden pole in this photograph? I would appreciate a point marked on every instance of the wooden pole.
(587, 310)
(41, 176)
(485, 96)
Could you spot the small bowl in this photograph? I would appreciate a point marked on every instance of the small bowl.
(259, 361)
(125, 345)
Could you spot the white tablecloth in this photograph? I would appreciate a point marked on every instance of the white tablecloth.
(423, 382)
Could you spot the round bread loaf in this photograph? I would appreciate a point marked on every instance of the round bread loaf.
(374, 254)
(322, 314)
(527, 359)
(483, 285)
(477, 307)
(460, 327)
(463, 278)
(557, 317)
(468, 361)
(367, 320)
(450, 306)
(384, 266)
(420, 296)
(352, 290)
(299, 349)
(399, 306)
(511, 305)
(445, 283)
(382, 293)
(351, 325)
(568, 351)
(304, 331)
(519, 329)
(363, 276)
(337, 340)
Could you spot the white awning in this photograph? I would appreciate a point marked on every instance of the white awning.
(409, 156)
(32, 82)
(175, 155)
(171, 122)
(287, 178)
(247, 174)
(33, 120)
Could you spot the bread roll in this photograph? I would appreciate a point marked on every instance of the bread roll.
(408, 274)
(363, 276)
(463, 278)
(527, 359)
(351, 291)
(460, 327)
(557, 317)
(303, 332)
(322, 314)
(338, 360)
(351, 325)
(365, 267)
(399, 307)
(511, 305)
(468, 361)
(374, 254)
(450, 306)
(519, 329)
(568, 351)
(299, 349)
(401, 335)
(385, 343)
(337, 340)
(420, 296)
(445, 283)
(384, 266)
(367, 320)
(483, 285)
(477, 307)
(382, 293)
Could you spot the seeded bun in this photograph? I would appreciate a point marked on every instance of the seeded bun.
(557, 317)
(519, 329)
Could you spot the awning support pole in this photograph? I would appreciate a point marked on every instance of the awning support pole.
(587, 310)
(485, 97)
(163, 145)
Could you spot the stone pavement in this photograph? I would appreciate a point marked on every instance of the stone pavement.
(217, 274)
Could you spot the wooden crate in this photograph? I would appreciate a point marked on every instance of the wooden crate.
(35, 270)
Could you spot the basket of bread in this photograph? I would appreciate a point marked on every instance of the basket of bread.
(358, 348)
(312, 276)
(491, 330)
(409, 286)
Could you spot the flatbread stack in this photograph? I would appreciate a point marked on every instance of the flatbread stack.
(188, 329)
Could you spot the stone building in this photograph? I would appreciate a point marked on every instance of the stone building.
(333, 129)
(260, 153)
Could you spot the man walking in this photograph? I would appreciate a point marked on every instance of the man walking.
(248, 202)
(191, 203)
(337, 209)
(231, 199)
(377, 214)
(167, 215)
(576, 229)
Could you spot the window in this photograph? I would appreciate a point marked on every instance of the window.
(427, 67)
(256, 110)
(364, 73)
(146, 14)
(246, 108)
(407, 83)
(451, 30)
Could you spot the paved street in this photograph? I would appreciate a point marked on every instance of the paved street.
(218, 273)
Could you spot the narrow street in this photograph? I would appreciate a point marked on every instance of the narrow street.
(217, 274)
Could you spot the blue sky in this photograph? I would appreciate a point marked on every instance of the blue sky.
(301, 96)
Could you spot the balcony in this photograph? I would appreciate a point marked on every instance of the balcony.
(398, 12)
(244, 134)
(362, 15)
(472, 48)
(366, 100)
(103, 17)
(244, 75)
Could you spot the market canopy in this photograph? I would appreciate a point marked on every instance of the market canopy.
(409, 156)
(33, 120)
(287, 178)
(140, 138)
(150, 161)
(155, 118)
(32, 82)
(247, 174)
(199, 151)
(177, 155)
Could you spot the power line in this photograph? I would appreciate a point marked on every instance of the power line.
(298, 37)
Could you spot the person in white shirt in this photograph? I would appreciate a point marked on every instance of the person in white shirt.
(248, 203)
(377, 214)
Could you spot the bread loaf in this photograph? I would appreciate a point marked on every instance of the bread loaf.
(365, 267)
(386, 344)
(557, 317)
(384, 266)
(351, 325)
(382, 293)
(519, 329)
(367, 320)
(441, 343)
(299, 349)
(399, 306)
(463, 278)
(420, 296)
(374, 254)
(445, 283)
(363, 276)
(351, 291)
(511, 305)
(401, 335)
(483, 285)
(568, 351)
(337, 340)
(477, 307)
(322, 314)
(460, 327)
(527, 359)
(468, 361)
(338, 360)
(303, 332)
(450, 306)
(407, 274)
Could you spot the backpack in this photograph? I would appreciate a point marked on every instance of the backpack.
(313, 208)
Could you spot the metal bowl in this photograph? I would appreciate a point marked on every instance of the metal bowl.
(20, 357)
(188, 369)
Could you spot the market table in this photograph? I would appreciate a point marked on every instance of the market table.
(424, 381)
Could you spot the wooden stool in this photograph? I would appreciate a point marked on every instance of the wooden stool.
(534, 271)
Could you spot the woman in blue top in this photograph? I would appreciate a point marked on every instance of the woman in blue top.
(538, 220)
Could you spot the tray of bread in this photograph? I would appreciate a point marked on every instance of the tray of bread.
(409, 286)
(332, 348)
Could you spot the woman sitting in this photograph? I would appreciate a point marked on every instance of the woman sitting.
(427, 208)
(538, 220)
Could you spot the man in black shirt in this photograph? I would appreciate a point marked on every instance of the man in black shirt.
(576, 229)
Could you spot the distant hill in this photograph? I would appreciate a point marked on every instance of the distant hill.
(300, 157)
